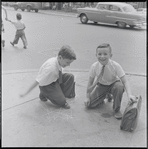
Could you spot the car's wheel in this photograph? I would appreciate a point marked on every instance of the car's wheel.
(83, 19)
(15, 7)
(36, 10)
(132, 26)
(121, 24)
(95, 22)
(22, 9)
(28, 8)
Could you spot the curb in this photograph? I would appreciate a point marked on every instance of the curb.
(66, 70)
(66, 15)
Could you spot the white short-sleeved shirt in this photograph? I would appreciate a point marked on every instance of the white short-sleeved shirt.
(49, 72)
(19, 25)
(112, 72)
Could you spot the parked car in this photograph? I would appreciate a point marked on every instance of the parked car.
(119, 13)
(27, 5)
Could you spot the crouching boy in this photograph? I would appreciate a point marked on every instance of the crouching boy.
(53, 84)
(106, 77)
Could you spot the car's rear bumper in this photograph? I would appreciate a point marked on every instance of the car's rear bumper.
(141, 24)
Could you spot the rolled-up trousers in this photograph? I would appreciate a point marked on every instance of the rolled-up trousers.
(56, 92)
(20, 34)
(98, 95)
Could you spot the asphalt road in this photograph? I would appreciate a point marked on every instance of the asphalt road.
(47, 33)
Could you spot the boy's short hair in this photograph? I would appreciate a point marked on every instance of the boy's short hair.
(104, 45)
(18, 16)
(67, 53)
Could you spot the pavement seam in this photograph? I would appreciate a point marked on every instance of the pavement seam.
(20, 104)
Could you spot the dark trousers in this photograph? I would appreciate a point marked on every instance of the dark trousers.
(56, 92)
(20, 34)
(98, 95)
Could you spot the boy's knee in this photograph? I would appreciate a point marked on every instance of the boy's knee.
(118, 87)
(70, 76)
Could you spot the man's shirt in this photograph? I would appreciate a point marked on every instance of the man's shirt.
(49, 72)
(112, 72)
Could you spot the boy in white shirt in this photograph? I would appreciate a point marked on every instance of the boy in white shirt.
(20, 27)
(55, 85)
(107, 76)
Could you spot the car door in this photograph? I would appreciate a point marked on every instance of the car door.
(110, 14)
(99, 13)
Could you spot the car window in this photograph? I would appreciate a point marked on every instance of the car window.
(102, 7)
(114, 8)
(129, 8)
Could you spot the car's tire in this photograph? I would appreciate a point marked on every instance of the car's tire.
(28, 8)
(121, 24)
(22, 9)
(83, 19)
(132, 26)
(95, 22)
(16, 8)
(36, 10)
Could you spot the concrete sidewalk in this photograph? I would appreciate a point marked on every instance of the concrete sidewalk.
(29, 122)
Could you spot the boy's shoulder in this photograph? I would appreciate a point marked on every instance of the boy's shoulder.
(95, 64)
(114, 62)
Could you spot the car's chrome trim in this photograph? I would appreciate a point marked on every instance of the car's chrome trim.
(121, 18)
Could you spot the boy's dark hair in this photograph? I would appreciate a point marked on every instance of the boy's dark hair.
(18, 16)
(67, 53)
(105, 45)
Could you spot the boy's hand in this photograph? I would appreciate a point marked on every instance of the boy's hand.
(131, 99)
(23, 95)
(87, 102)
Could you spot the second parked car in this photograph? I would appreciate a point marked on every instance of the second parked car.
(28, 6)
(119, 13)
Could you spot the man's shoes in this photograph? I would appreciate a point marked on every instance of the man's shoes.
(66, 106)
(12, 44)
(118, 115)
(109, 96)
(25, 47)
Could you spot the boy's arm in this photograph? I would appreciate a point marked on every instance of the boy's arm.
(33, 85)
(127, 88)
(5, 12)
(90, 87)
(8, 20)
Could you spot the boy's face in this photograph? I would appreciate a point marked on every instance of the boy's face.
(103, 55)
(64, 62)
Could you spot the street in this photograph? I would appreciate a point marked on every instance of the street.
(47, 33)
(29, 122)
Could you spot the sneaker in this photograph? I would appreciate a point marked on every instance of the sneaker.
(66, 106)
(12, 44)
(118, 115)
(109, 97)
(42, 98)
